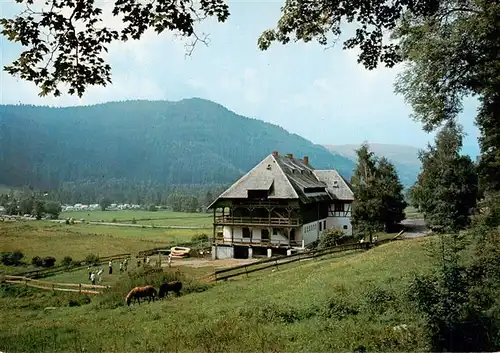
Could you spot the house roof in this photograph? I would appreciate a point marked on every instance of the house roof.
(337, 186)
(286, 177)
(264, 175)
(302, 177)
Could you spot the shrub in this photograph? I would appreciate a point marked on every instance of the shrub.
(134, 221)
(331, 237)
(113, 220)
(91, 259)
(37, 261)
(67, 221)
(152, 208)
(67, 261)
(199, 238)
(48, 261)
(11, 258)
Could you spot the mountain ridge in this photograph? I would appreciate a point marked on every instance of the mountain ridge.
(404, 157)
(190, 141)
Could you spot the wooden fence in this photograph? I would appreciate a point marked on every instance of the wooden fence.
(227, 273)
(235, 271)
(54, 286)
(46, 272)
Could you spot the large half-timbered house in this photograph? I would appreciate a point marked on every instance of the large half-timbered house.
(281, 204)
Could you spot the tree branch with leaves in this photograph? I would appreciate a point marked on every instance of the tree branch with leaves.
(66, 40)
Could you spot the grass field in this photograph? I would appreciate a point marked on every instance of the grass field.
(344, 303)
(412, 213)
(43, 238)
(159, 218)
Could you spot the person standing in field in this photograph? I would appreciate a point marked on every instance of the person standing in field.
(92, 278)
(100, 275)
(125, 263)
(110, 267)
(169, 260)
(121, 267)
(148, 260)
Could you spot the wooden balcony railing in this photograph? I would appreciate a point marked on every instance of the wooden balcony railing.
(263, 204)
(268, 221)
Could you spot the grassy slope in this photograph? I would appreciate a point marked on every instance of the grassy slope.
(334, 304)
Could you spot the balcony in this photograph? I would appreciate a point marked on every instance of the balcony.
(263, 221)
(253, 242)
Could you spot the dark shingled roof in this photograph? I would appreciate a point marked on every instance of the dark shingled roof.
(301, 176)
(289, 178)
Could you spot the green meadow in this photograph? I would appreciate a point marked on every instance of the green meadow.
(159, 218)
(44, 238)
(350, 302)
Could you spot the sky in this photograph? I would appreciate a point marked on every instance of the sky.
(321, 94)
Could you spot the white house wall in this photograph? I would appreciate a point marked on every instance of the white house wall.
(310, 231)
(256, 236)
(340, 222)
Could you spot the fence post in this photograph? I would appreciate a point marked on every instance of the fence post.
(26, 282)
(246, 271)
(79, 288)
(276, 264)
(53, 289)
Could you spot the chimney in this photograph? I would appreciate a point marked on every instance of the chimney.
(275, 153)
(306, 160)
(289, 155)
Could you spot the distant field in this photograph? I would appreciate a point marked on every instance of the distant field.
(53, 239)
(160, 218)
(412, 213)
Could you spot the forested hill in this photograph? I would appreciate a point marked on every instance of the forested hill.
(192, 141)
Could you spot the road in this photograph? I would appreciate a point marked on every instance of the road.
(415, 228)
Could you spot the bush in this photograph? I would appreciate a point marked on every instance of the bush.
(91, 259)
(12, 258)
(48, 261)
(152, 208)
(67, 261)
(113, 220)
(199, 238)
(37, 261)
(331, 237)
(134, 221)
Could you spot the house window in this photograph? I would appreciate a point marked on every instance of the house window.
(246, 232)
(264, 234)
(345, 227)
(257, 194)
(275, 231)
(324, 224)
(339, 207)
(320, 224)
